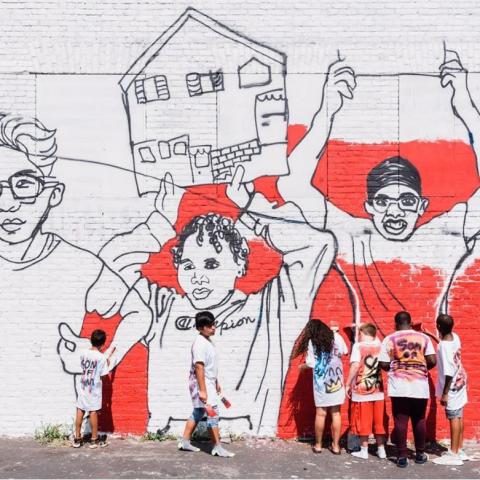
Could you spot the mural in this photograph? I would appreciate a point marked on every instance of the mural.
(265, 223)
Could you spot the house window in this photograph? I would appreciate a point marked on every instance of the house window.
(202, 160)
(164, 149)
(200, 83)
(146, 155)
(254, 73)
(140, 91)
(151, 89)
(161, 87)
(180, 148)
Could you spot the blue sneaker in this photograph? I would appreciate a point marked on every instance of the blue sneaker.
(402, 462)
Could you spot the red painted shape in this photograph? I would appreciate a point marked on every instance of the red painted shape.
(448, 176)
(448, 172)
(125, 390)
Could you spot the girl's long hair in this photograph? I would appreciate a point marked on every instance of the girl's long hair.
(321, 336)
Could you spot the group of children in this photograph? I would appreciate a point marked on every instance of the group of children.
(406, 355)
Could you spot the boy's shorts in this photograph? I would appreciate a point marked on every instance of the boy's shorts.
(199, 412)
(368, 417)
(451, 414)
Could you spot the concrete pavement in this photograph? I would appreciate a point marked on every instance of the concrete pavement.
(255, 458)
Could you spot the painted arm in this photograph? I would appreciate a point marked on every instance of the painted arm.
(107, 297)
(455, 77)
(126, 253)
(303, 160)
(307, 254)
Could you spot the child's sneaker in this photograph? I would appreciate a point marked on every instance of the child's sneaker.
(187, 446)
(462, 455)
(421, 458)
(77, 442)
(381, 453)
(363, 454)
(98, 442)
(221, 452)
(448, 458)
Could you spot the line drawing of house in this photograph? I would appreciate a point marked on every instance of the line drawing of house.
(203, 99)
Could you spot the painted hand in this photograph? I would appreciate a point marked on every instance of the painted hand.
(161, 301)
(238, 192)
(339, 84)
(70, 347)
(168, 199)
(455, 76)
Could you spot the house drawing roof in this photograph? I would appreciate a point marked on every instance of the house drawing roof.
(190, 13)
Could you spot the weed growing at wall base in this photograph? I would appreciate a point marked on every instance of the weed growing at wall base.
(53, 434)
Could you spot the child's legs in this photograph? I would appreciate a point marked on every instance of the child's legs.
(93, 417)
(192, 422)
(78, 423)
(380, 422)
(418, 407)
(320, 416)
(454, 434)
(400, 410)
(460, 439)
(336, 426)
(365, 421)
(212, 425)
(455, 418)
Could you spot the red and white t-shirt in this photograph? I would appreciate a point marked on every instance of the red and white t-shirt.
(367, 385)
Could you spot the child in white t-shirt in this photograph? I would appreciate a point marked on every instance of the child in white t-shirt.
(451, 388)
(324, 349)
(94, 366)
(204, 386)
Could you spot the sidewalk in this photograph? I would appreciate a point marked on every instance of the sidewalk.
(133, 458)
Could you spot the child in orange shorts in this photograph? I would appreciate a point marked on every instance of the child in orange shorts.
(365, 388)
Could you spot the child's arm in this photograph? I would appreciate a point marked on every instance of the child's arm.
(200, 374)
(352, 375)
(446, 389)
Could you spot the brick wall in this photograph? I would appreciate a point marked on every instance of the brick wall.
(61, 61)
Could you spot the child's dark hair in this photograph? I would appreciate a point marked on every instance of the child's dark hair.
(98, 338)
(204, 319)
(403, 319)
(212, 228)
(368, 329)
(445, 324)
(321, 336)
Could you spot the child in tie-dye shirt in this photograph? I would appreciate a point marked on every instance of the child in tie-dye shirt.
(365, 388)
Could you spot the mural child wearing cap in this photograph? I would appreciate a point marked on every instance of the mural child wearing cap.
(387, 258)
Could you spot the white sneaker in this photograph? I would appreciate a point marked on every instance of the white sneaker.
(448, 458)
(219, 451)
(462, 455)
(361, 454)
(381, 453)
(187, 446)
